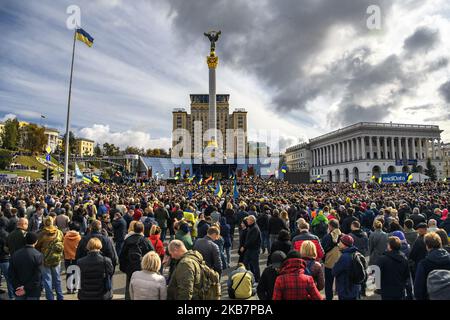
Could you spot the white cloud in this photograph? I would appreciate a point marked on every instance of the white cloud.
(7, 117)
(102, 133)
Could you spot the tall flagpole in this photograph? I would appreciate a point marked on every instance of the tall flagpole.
(66, 155)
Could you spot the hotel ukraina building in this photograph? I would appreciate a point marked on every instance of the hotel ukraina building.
(365, 149)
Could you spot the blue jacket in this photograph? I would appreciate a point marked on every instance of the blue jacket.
(345, 289)
(436, 259)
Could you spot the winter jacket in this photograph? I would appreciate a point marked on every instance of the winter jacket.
(377, 245)
(35, 223)
(446, 225)
(94, 268)
(71, 241)
(46, 239)
(411, 236)
(417, 218)
(394, 275)
(210, 253)
(263, 222)
(276, 224)
(225, 230)
(119, 229)
(25, 268)
(157, 244)
(418, 252)
(245, 288)
(303, 236)
(293, 284)
(107, 250)
(16, 240)
(185, 238)
(202, 228)
(4, 254)
(62, 222)
(437, 259)
(253, 238)
(161, 216)
(330, 247)
(266, 284)
(360, 241)
(315, 270)
(281, 245)
(145, 285)
(185, 282)
(346, 224)
(131, 263)
(319, 225)
(341, 271)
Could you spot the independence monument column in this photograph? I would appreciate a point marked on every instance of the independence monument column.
(212, 60)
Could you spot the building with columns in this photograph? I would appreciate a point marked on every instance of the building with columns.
(368, 149)
(298, 158)
(446, 160)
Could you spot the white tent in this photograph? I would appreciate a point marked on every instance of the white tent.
(419, 177)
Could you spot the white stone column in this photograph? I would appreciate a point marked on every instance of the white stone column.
(385, 148)
(357, 148)
(334, 153)
(378, 148)
(330, 158)
(392, 148)
(339, 152)
(421, 157)
(363, 147)
(348, 150)
(352, 151)
(414, 148)
(400, 148)
(407, 148)
(370, 148)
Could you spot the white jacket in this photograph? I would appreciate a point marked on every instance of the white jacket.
(145, 285)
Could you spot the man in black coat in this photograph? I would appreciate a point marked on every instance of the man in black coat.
(417, 217)
(16, 239)
(252, 247)
(209, 250)
(25, 270)
(395, 274)
(107, 250)
(419, 250)
(134, 249)
(120, 230)
(269, 276)
(263, 223)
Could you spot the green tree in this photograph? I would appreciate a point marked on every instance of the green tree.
(97, 150)
(5, 159)
(132, 150)
(110, 149)
(10, 134)
(431, 170)
(33, 138)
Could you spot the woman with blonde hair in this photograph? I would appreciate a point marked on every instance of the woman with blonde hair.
(130, 229)
(313, 268)
(285, 217)
(377, 242)
(148, 284)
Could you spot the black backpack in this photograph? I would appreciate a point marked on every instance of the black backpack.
(358, 272)
(133, 258)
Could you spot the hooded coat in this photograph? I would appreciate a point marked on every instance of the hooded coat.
(360, 241)
(394, 275)
(185, 282)
(293, 284)
(71, 241)
(46, 237)
(436, 259)
(341, 271)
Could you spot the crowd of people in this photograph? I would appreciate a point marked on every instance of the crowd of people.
(175, 242)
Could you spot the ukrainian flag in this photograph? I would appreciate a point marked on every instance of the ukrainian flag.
(219, 190)
(85, 37)
(95, 178)
(86, 180)
(410, 176)
(235, 191)
(284, 169)
(354, 184)
(379, 180)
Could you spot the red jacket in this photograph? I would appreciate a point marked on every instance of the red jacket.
(303, 236)
(157, 244)
(293, 284)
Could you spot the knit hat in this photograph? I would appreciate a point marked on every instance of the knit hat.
(399, 235)
(293, 254)
(277, 258)
(347, 240)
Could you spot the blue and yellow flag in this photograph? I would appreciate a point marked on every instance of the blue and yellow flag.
(355, 184)
(85, 37)
(284, 169)
(235, 191)
(379, 180)
(219, 190)
(410, 176)
(86, 180)
(95, 178)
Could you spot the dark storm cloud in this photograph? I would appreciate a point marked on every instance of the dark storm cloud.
(422, 40)
(444, 90)
(350, 113)
(273, 39)
(438, 64)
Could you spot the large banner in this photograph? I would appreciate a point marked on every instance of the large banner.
(394, 178)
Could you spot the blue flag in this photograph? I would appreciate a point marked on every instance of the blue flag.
(235, 191)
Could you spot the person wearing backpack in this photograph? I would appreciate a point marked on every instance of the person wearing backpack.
(240, 283)
(134, 248)
(313, 268)
(319, 225)
(436, 259)
(50, 244)
(191, 278)
(394, 270)
(332, 255)
(269, 276)
(349, 270)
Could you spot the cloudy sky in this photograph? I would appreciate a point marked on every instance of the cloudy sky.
(303, 67)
